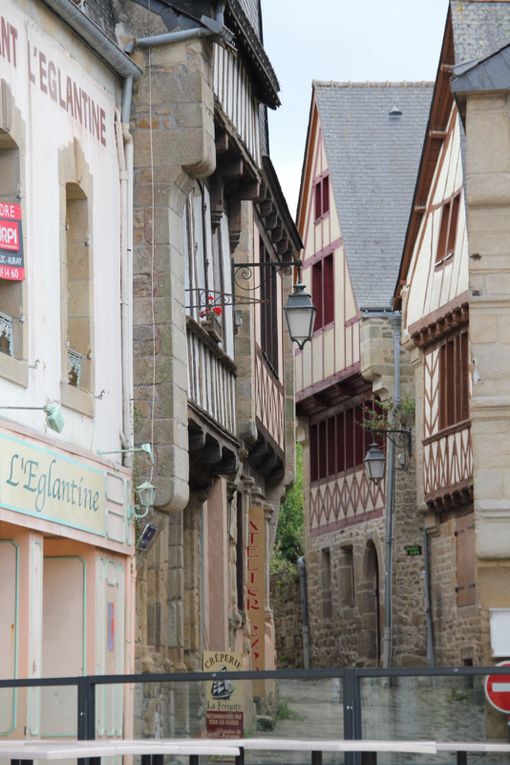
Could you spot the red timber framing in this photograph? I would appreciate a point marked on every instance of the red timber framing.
(340, 493)
(447, 450)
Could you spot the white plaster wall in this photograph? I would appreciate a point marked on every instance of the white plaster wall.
(49, 128)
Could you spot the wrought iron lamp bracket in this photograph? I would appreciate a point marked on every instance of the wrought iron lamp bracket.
(244, 270)
(397, 436)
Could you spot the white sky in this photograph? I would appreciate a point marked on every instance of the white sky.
(355, 40)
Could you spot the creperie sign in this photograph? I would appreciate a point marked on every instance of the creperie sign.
(12, 266)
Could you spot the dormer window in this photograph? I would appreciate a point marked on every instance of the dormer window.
(448, 230)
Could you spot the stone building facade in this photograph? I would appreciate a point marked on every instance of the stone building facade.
(449, 606)
(438, 293)
(213, 377)
(350, 365)
(483, 106)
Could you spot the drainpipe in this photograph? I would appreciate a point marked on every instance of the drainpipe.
(428, 599)
(304, 610)
(125, 144)
(389, 510)
(211, 28)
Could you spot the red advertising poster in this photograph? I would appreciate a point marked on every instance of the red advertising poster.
(12, 266)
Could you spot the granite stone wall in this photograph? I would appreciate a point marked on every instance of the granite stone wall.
(288, 618)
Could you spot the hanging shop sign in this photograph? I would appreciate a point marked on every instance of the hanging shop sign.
(256, 589)
(224, 698)
(12, 266)
(51, 485)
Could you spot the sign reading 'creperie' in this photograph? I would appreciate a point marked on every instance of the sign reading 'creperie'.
(12, 266)
(45, 73)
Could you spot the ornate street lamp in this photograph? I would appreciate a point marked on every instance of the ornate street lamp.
(375, 463)
(146, 493)
(300, 314)
(299, 310)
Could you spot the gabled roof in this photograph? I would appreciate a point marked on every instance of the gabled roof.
(474, 29)
(373, 160)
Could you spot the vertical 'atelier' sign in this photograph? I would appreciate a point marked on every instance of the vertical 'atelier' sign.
(256, 591)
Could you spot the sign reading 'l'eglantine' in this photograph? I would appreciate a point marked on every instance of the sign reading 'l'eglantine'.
(38, 481)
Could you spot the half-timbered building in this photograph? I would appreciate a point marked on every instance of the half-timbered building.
(437, 293)
(359, 170)
(213, 367)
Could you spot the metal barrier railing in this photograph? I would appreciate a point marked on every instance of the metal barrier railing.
(351, 681)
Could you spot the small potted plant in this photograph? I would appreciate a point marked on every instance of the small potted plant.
(210, 319)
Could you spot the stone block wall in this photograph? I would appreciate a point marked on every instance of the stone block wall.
(488, 214)
(457, 629)
(288, 618)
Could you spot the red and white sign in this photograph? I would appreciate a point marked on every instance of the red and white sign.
(12, 266)
(497, 690)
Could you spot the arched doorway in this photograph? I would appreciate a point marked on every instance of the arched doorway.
(372, 605)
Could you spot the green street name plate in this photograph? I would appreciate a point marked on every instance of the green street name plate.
(413, 550)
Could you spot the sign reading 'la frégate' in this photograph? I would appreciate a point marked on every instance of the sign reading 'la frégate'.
(50, 485)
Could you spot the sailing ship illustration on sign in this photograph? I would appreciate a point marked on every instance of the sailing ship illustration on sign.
(222, 689)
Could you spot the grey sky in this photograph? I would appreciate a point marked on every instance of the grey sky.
(356, 40)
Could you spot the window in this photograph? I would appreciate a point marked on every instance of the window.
(448, 230)
(465, 549)
(346, 576)
(327, 609)
(11, 292)
(323, 291)
(77, 318)
(454, 380)
(339, 443)
(321, 194)
(208, 269)
(268, 310)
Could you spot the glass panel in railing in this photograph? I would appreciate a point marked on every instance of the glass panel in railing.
(430, 708)
(224, 708)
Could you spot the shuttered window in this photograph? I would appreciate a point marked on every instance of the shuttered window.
(340, 442)
(327, 604)
(454, 380)
(269, 310)
(323, 292)
(465, 544)
(448, 230)
(321, 197)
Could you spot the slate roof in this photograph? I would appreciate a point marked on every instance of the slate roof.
(373, 162)
(479, 28)
(490, 74)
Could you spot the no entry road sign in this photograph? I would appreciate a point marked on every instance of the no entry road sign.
(497, 690)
